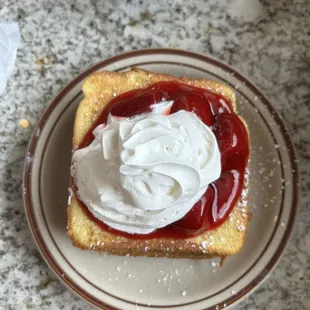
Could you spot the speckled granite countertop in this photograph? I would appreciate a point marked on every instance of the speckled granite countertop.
(269, 41)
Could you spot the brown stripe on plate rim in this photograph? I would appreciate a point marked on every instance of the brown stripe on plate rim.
(34, 140)
(205, 298)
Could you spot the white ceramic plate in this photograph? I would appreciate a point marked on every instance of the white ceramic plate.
(111, 282)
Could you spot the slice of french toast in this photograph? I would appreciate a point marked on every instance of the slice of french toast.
(99, 89)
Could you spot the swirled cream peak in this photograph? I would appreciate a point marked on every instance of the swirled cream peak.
(145, 172)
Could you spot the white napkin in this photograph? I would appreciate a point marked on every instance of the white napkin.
(9, 42)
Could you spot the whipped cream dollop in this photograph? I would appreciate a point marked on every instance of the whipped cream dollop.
(145, 172)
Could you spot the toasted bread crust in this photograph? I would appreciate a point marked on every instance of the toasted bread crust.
(99, 88)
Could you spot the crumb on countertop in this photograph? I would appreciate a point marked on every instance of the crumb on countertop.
(23, 123)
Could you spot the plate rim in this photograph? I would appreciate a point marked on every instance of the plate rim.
(27, 197)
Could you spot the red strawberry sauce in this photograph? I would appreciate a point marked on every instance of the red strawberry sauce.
(212, 209)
